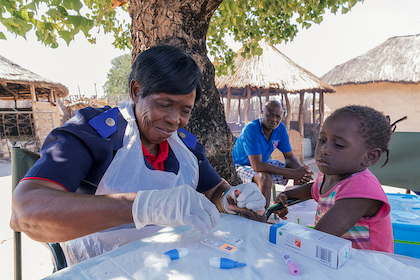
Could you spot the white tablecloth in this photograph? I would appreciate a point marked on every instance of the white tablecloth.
(263, 259)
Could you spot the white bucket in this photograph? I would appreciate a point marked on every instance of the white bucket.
(307, 148)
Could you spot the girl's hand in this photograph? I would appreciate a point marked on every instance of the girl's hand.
(247, 213)
(282, 198)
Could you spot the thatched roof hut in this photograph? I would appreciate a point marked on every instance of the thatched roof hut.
(397, 60)
(271, 70)
(271, 73)
(16, 82)
(40, 115)
(386, 78)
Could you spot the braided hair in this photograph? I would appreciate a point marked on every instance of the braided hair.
(375, 127)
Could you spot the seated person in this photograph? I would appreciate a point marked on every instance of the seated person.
(145, 168)
(351, 201)
(256, 143)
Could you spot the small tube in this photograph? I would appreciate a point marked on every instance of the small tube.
(224, 263)
(177, 253)
(291, 265)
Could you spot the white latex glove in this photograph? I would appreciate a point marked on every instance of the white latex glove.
(172, 207)
(250, 197)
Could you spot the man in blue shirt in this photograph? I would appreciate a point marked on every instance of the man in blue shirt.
(256, 143)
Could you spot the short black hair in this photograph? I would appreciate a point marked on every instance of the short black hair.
(167, 69)
(375, 127)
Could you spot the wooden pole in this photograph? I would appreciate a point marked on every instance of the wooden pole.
(321, 108)
(289, 111)
(301, 124)
(248, 104)
(34, 114)
(51, 97)
(267, 94)
(302, 99)
(239, 109)
(33, 94)
(229, 97)
(313, 107)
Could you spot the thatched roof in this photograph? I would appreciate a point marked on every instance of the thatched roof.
(15, 83)
(271, 70)
(397, 60)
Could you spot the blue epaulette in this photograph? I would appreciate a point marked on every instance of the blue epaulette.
(189, 139)
(105, 123)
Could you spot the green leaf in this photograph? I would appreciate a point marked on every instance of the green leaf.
(31, 6)
(66, 36)
(72, 4)
(77, 21)
(2, 36)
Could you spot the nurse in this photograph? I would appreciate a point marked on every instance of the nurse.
(144, 169)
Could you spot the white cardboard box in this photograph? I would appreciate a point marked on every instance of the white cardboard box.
(325, 248)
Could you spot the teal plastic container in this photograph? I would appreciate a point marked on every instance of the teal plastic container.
(405, 218)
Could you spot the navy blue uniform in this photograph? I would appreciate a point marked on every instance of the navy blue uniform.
(77, 154)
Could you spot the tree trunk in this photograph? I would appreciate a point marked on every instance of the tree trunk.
(185, 24)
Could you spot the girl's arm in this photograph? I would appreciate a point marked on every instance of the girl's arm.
(215, 194)
(301, 192)
(345, 213)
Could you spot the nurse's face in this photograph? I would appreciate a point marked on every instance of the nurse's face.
(159, 115)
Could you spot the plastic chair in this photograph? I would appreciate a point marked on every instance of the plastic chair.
(22, 160)
(57, 256)
(402, 169)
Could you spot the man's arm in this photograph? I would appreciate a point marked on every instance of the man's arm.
(291, 160)
(47, 213)
(299, 173)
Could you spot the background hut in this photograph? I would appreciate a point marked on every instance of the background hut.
(273, 74)
(386, 78)
(29, 103)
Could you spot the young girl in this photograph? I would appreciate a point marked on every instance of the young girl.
(351, 201)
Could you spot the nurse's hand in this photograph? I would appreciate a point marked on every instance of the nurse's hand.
(172, 207)
(246, 196)
(247, 213)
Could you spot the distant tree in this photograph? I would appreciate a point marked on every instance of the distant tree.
(117, 78)
(193, 25)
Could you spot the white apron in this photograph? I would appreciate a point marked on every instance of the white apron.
(129, 173)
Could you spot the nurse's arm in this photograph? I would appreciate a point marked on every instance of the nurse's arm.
(45, 212)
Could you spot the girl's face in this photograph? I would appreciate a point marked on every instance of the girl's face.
(340, 149)
(159, 115)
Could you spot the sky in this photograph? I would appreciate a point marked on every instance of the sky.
(83, 67)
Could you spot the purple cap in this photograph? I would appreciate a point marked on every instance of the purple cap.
(293, 268)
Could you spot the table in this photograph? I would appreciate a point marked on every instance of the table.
(263, 259)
